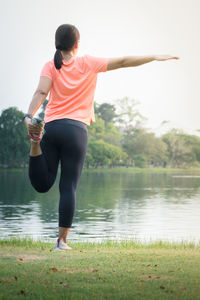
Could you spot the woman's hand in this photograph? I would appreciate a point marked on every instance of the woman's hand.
(32, 129)
(165, 57)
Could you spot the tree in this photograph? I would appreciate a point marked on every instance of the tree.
(179, 152)
(126, 113)
(100, 153)
(43, 107)
(14, 141)
(143, 147)
(106, 112)
(96, 129)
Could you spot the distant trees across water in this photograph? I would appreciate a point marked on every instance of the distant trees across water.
(117, 138)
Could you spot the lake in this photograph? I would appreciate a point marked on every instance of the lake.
(143, 206)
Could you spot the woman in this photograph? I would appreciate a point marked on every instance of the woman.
(71, 81)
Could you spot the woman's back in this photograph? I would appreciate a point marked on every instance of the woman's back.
(73, 87)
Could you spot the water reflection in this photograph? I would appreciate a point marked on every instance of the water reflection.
(109, 205)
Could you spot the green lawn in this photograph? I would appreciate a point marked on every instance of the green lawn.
(106, 270)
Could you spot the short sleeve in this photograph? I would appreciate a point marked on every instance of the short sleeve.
(47, 70)
(96, 64)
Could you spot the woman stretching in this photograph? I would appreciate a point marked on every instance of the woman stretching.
(63, 136)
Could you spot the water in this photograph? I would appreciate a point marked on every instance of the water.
(118, 206)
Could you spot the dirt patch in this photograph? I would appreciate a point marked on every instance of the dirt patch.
(153, 277)
(79, 271)
(24, 257)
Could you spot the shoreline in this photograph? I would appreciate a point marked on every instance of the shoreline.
(106, 243)
(121, 169)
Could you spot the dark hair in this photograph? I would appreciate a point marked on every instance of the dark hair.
(66, 37)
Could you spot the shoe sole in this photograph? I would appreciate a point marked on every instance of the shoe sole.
(58, 249)
(37, 122)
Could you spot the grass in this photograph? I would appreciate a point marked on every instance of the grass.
(125, 170)
(141, 170)
(127, 269)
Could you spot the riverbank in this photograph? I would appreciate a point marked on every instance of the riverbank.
(124, 170)
(99, 270)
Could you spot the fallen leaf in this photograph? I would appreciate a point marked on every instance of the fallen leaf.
(21, 259)
(162, 287)
(54, 269)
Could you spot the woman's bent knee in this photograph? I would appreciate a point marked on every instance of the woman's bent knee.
(41, 189)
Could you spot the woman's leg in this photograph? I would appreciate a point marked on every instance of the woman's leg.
(72, 155)
(43, 162)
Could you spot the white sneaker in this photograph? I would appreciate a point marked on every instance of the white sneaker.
(60, 246)
(34, 137)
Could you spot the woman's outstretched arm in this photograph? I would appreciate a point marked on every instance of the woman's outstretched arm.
(133, 61)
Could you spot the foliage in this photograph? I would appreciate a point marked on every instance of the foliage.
(106, 112)
(179, 151)
(117, 138)
(100, 153)
(126, 113)
(13, 135)
(43, 106)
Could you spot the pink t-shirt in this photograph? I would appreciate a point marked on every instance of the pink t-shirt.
(73, 86)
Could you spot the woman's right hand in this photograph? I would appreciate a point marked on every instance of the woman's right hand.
(31, 128)
(165, 57)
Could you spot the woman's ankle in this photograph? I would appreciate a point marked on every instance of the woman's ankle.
(35, 149)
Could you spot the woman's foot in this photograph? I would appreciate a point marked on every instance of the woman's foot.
(36, 135)
(60, 245)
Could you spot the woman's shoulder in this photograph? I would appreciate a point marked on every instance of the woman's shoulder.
(48, 64)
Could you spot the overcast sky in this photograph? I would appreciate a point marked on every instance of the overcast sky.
(166, 90)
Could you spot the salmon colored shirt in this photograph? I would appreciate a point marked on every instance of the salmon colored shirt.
(73, 86)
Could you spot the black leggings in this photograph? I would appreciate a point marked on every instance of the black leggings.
(64, 140)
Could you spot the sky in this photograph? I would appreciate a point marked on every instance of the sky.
(166, 90)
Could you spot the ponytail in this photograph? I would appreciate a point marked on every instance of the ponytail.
(66, 37)
(58, 59)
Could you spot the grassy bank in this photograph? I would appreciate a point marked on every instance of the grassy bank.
(143, 170)
(99, 270)
(126, 170)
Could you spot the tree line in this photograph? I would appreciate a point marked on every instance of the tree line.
(119, 137)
